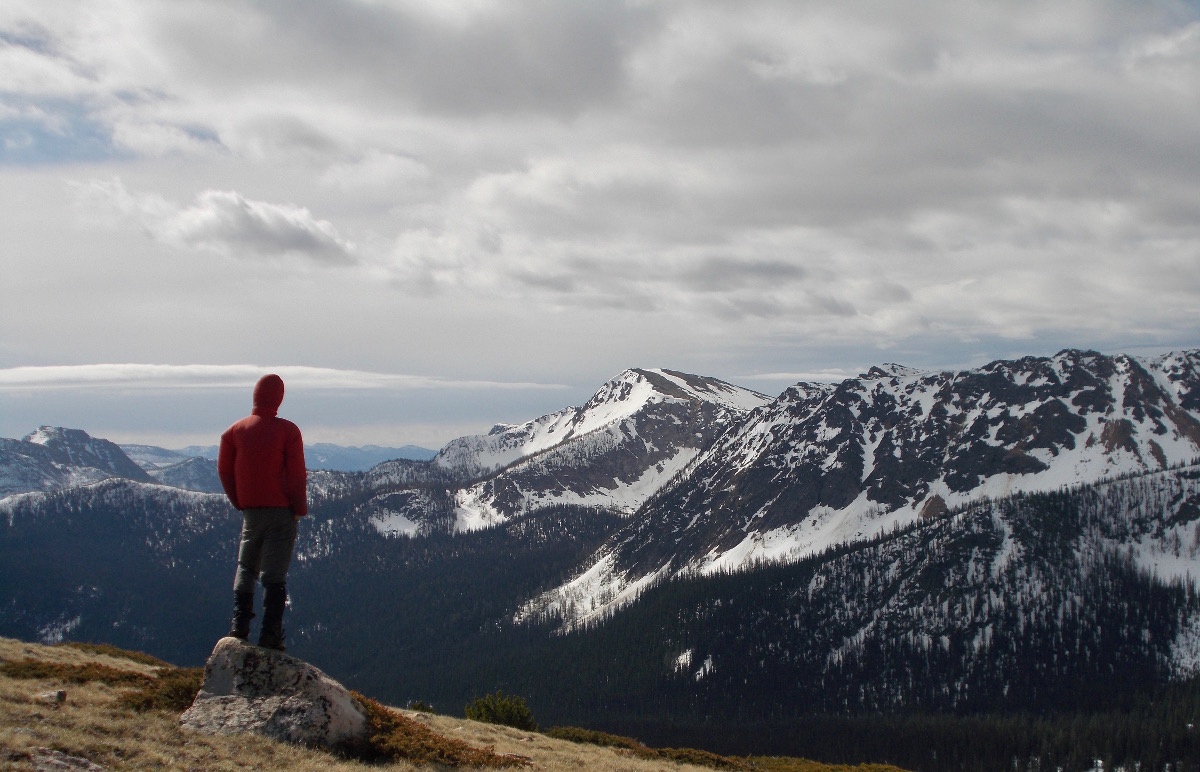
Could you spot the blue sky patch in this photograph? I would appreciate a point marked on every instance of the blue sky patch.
(52, 132)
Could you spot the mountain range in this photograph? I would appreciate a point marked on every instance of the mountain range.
(1020, 536)
(54, 458)
(318, 455)
(826, 464)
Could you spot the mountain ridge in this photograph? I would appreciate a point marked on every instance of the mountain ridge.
(830, 463)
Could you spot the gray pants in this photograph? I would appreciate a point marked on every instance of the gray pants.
(268, 536)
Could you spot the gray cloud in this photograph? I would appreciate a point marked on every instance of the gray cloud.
(486, 58)
(158, 377)
(227, 222)
(720, 274)
(717, 186)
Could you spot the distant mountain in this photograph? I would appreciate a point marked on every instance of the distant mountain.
(53, 458)
(338, 458)
(620, 399)
(636, 433)
(193, 474)
(826, 464)
(320, 455)
(150, 457)
(200, 451)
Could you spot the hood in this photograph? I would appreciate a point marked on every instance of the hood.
(268, 395)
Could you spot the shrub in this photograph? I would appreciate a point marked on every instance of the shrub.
(502, 709)
(173, 690)
(678, 755)
(395, 737)
(421, 707)
(701, 758)
(604, 739)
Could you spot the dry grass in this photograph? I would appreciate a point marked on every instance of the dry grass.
(783, 764)
(548, 753)
(634, 748)
(122, 712)
(396, 736)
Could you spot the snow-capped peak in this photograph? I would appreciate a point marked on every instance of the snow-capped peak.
(891, 370)
(618, 399)
(50, 435)
(53, 457)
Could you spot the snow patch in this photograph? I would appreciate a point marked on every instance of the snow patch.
(590, 597)
(394, 524)
(473, 513)
(1185, 649)
(822, 529)
(56, 632)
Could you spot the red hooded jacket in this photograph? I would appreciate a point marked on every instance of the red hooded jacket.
(261, 460)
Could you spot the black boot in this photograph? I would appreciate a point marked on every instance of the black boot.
(274, 601)
(243, 612)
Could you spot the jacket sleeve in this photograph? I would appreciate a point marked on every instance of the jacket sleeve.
(297, 474)
(226, 461)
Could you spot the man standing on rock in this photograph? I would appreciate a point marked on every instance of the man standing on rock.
(261, 465)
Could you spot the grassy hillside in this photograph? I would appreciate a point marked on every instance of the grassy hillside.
(121, 711)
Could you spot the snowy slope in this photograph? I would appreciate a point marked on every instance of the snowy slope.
(1009, 604)
(618, 399)
(637, 432)
(829, 464)
(193, 474)
(150, 457)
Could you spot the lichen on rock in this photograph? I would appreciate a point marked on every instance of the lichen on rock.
(251, 689)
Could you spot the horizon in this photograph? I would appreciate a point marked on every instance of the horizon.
(210, 439)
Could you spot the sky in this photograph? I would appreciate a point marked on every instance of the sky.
(431, 217)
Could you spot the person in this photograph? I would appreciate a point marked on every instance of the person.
(261, 466)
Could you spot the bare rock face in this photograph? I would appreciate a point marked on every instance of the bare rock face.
(252, 689)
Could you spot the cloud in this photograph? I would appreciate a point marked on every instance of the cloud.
(227, 223)
(379, 173)
(126, 377)
(717, 181)
(522, 57)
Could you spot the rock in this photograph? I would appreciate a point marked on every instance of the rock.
(251, 689)
(49, 760)
(54, 698)
(935, 506)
